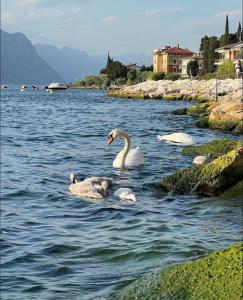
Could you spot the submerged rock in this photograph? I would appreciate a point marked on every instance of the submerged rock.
(216, 276)
(210, 179)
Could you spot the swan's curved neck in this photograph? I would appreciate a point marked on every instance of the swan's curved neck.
(126, 148)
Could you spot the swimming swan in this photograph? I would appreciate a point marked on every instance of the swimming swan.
(94, 187)
(178, 137)
(125, 193)
(127, 157)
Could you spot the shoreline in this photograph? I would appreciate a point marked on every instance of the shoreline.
(226, 113)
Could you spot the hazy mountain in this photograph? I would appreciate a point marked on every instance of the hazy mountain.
(21, 64)
(70, 63)
(73, 63)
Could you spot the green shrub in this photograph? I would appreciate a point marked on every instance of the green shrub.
(171, 76)
(226, 70)
(207, 76)
(157, 76)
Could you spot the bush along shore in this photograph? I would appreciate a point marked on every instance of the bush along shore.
(216, 276)
(222, 111)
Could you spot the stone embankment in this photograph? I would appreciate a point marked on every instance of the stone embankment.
(226, 113)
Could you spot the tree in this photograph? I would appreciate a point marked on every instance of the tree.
(238, 32)
(114, 69)
(226, 25)
(149, 68)
(192, 68)
(209, 44)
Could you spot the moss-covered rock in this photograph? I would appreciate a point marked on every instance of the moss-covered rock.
(210, 179)
(213, 149)
(226, 125)
(236, 191)
(180, 111)
(217, 276)
(197, 109)
(203, 122)
(227, 115)
(239, 128)
(172, 97)
(122, 94)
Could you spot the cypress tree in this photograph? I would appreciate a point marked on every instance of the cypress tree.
(238, 32)
(227, 25)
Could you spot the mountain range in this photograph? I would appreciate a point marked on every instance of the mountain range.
(25, 63)
(21, 64)
(74, 64)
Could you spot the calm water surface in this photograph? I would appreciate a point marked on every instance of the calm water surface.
(57, 246)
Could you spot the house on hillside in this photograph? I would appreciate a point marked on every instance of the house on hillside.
(168, 59)
(232, 52)
(133, 66)
(186, 60)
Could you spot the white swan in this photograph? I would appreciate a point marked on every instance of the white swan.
(94, 187)
(178, 137)
(127, 157)
(125, 193)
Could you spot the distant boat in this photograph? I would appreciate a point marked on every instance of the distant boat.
(23, 88)
(57, 86)
(34, 87)
(3, 86)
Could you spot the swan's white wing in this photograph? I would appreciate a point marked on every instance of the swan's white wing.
(134, 158)
(178, 137)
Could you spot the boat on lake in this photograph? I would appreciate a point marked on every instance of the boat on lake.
(23, 88)
(57, 86)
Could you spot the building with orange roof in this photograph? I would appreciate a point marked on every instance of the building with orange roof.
(168, 59)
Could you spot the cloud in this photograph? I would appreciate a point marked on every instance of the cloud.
(27, 3)
(231, 13)
(8, 17)
(156, 11)
(111, 19)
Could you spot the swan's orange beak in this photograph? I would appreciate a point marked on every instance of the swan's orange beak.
(110, 140)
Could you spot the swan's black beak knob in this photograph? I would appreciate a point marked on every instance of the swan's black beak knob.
(110, 139)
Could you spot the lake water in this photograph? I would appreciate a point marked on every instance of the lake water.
(57, 246)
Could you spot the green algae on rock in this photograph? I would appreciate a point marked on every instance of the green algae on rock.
(210, 179)
(236, 191)
(213, 149)
(217, 276)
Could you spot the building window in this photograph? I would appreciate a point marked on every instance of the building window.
(174, 69)
(174, 61)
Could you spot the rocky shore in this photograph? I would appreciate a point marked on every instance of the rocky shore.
(216, 276)
(222, 106)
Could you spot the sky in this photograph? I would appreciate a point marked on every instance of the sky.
(119, 26)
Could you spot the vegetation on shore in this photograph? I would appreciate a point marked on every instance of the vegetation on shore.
(216, 276)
